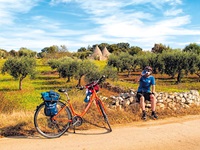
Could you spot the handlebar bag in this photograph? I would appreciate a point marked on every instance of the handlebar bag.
(50, 100)
(93, 86)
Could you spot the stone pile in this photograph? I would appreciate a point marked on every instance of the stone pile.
(164, 100)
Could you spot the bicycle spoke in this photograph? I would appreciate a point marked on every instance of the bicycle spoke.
(48, 127)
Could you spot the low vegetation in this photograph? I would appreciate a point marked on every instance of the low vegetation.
(17, 106)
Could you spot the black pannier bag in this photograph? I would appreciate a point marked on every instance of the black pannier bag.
(50, 99)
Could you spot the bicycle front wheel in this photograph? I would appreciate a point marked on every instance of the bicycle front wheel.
(104, 115)
(48, 127)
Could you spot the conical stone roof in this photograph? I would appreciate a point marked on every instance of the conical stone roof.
(105, 52)
(97, 54)
(97, 51)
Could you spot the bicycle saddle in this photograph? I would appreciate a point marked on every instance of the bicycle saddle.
(62, 90)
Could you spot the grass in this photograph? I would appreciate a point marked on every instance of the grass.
(17, 107)
(163, 82)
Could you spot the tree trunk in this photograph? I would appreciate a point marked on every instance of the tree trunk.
(20, 84)
(179, 77)
(68, 79)
(79, 81)
(128, 73)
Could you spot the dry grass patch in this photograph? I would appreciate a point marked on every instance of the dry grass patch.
(21, 123)
(7, 106)
(17, 124)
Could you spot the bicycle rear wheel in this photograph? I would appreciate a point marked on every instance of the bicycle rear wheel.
(104, 115)
(52, 128)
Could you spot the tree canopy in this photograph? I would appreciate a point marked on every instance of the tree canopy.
(193, 47)
(20, 68)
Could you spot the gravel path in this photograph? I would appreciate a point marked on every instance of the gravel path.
(168, 134)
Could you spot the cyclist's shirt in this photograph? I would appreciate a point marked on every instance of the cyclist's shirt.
(145, 84)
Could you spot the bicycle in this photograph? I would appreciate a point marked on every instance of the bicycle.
(55, 126)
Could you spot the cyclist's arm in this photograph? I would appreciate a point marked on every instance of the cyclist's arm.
(138, 78)
(153, 88)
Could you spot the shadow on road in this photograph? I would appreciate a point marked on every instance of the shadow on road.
(21, 130)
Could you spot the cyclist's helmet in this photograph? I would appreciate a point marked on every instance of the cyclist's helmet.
(148, 68)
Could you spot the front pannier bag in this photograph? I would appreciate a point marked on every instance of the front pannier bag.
(50, 99)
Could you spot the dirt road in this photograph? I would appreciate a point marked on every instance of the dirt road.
(168, 134)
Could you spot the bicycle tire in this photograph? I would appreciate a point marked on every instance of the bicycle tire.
(104, 115)
(52, 129)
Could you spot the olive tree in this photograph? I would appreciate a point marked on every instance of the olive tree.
(68, 68)
(141, 60)
(110, 72)
(134, 50)
(155, 62)
(93, 75)
(147, 59)
(179, 63)
(85, 67)
(198, 67)
(159, 48)
(19, 68)
(26, 52)
(114, 61)
(125, 62)
(193, 47)
(56, 63)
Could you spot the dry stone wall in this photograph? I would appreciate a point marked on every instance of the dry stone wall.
(165, 100)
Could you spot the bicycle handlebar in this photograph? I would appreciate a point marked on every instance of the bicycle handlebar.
(100, 80)
(94, 83)
(89, 85)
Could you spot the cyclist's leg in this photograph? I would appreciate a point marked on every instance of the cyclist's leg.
(153, 102)
(153, 107)
(141, 99)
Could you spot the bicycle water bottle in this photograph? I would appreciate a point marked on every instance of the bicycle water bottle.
(88, 94)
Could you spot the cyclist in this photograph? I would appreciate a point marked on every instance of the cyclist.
(146, 91)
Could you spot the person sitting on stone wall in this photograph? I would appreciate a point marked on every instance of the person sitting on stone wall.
(146, 91)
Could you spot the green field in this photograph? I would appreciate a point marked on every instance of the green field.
(19, 105)
(47, 79)
(29, 97)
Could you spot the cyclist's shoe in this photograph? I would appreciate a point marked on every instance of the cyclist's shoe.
(154, 115)
(144, 116)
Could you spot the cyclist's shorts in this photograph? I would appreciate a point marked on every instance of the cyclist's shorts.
(146, 96)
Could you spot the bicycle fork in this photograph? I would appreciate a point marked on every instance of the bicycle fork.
(98, 103)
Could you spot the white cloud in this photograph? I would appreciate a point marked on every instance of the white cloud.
(54, 2)
(10, 8)
(138, 22)
(174, 22)
(173, 12)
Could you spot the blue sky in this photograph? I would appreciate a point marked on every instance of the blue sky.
(36, 24)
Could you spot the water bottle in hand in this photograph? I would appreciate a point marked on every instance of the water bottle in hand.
(144, 72)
